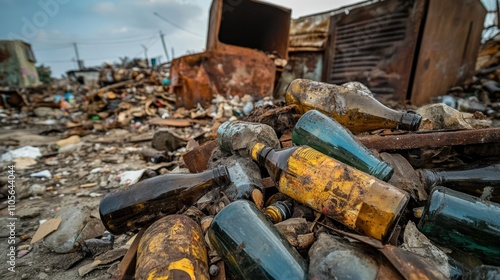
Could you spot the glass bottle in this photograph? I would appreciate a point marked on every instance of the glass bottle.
(483, 272)
(279, 211)
(144, 202)
(333, 257)
(463, 222)
(172, 248)
(251, 246)
(355, 109)
(470, 180)
(153, 155)
(246, 181)
(347, 195)
(326, 135)
(235, 137)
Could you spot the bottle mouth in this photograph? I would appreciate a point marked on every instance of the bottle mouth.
(222, 175)
(410, 121)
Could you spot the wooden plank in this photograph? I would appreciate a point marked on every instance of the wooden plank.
(126, 268)
(431, 139)
(171, 122)
(197, 159)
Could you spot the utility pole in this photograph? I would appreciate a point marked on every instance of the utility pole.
(173, 54)
(162, 36)
(78, 61)
(145, 53)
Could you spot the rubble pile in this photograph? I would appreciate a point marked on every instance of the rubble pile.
(362, 203)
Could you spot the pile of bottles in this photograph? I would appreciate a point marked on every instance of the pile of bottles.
(327, 170)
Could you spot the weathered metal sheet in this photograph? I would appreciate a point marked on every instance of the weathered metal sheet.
(301, 65)
(250, 24)
(375, 45)
(309, 33)
(227, 71)
(449, 47)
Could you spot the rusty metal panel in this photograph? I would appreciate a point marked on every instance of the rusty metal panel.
(449, 47)
(250, 24)
(309, 33)
(375, 45)
(227, 71)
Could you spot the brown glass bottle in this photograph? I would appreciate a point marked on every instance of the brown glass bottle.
(352, 197)
(142, 203)
(279, 211)
(355, 109)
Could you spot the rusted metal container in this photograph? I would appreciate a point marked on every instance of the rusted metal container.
(242, 37)
(172, 248)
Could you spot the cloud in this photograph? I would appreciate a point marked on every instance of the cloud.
(104, 8)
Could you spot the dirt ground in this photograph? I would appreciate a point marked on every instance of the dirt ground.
(69, 171)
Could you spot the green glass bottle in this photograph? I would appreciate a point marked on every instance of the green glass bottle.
(471, 180)
(326, 135)
(252, 247)
(463, 222)
(142, 203)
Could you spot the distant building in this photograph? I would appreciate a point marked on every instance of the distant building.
(17, 65)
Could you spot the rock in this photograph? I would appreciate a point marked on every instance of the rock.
(73, 220)
(165, 140)
(293, 230)
(417, 243)
(43, 112)
(28, 212)
(43, 276)
(23, 189)
(441, 116)
(37, 189)
(92, 229)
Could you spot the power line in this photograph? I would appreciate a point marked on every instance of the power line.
(179, 27)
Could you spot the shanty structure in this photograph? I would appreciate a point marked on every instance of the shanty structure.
(17, 64)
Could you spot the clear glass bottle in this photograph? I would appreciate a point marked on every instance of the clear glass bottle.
(251, 247)
(326, 135)
(355, 109)
(146, 201)
(347, 195)
(463, 222)
(172, 248)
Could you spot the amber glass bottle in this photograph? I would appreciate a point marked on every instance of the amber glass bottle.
(143, 203)
(355, 109)
(470, 180)
(352, 197)
(251, 247)
(279, 211)
(463, 222)
(326, 135)
(172, 248)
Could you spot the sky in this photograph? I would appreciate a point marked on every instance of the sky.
(105, 31)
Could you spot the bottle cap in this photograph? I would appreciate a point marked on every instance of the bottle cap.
(221, 175)
(410, 121)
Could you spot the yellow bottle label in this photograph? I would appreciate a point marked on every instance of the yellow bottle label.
(343, 193)
(254, 153)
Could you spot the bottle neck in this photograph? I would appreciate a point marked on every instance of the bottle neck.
(409, 121)
(221, 176)
(430, 178)
(382, 170)
(274, 160)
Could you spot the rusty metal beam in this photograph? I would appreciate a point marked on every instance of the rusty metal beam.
(430, 139)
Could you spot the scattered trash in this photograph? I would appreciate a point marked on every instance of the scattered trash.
(72, 222)
(46, 228)
(24, 152)
(42, 174)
